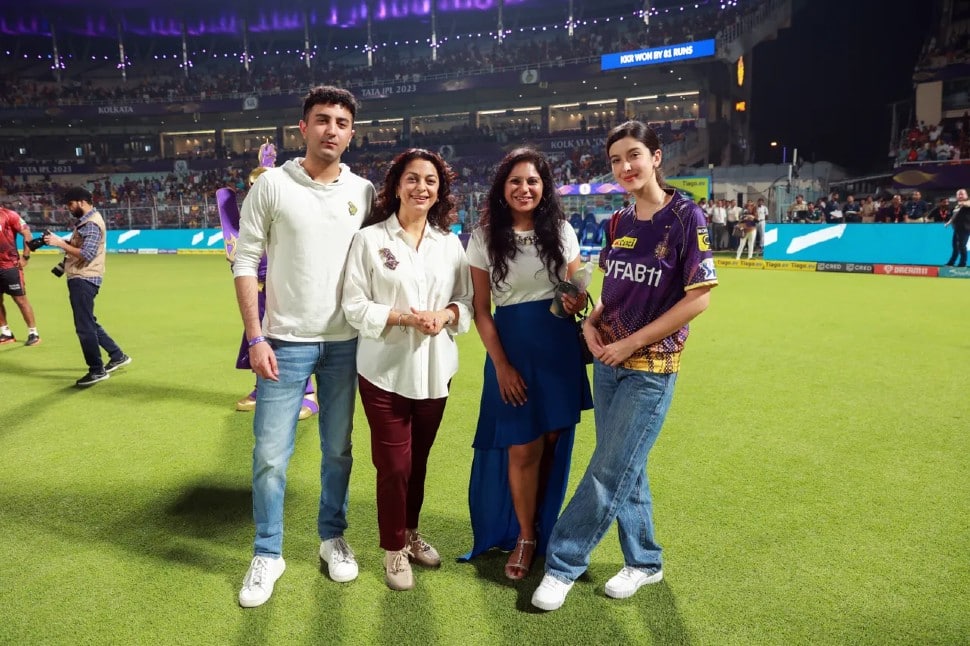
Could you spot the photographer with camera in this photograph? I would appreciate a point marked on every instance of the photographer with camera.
(12, 265)
(84, 261)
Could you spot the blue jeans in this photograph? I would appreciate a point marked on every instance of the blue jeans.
(274, 427)
(89, 332)
(629, 407)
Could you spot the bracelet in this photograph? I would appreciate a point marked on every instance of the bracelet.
(27, 257)
(256, 339)
(451, 316)
(400, 321)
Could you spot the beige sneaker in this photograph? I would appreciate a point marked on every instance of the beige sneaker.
(398, 574)
(421, 552)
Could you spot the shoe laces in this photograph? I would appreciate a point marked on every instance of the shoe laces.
(399, 561)
(341, 552)
(629, 574)
(257, 572)
(417, 542)
(553, 583)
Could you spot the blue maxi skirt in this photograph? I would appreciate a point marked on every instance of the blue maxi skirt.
(545, 350)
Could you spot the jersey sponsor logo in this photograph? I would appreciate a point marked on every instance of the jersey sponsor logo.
(707, 268)
(626, 242)
(703, 239)
(634, 272)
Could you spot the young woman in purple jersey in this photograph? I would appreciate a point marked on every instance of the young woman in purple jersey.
(659, 274)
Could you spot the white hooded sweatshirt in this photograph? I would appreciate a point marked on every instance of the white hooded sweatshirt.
(305, 229)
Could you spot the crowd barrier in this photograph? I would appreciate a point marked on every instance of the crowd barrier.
(164, 241)
(171, 241)
(891, 249)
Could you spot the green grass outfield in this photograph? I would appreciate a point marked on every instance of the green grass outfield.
(810, 485)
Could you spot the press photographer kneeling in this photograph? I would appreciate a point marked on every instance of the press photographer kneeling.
(84, 264)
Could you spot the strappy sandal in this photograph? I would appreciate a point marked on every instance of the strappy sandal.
(520, 560)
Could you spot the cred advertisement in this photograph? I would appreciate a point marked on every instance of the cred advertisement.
(845, 267)
(906, 270)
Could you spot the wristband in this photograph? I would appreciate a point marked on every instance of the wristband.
(400, 321)
(256, 339)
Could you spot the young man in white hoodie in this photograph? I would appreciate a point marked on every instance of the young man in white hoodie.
(303, 215)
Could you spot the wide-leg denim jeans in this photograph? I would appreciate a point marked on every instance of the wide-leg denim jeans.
(630, 407)
(274, 427)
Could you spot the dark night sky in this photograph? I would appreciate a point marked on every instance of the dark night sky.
(824, 86)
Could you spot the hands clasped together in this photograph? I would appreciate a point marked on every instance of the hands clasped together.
(428, 322)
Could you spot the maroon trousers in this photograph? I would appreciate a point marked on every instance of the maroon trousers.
(402, 431)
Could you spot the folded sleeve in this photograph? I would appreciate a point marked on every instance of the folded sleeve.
(463, 290)
(362, 312)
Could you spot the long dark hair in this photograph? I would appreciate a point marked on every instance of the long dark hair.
(642, 133)
(496, 219)
(441, 215)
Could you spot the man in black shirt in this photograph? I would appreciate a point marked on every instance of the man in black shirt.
(960, 221)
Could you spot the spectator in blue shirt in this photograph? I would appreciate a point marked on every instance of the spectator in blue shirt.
(915, 209)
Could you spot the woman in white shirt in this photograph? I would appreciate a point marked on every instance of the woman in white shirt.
(535, 382)
(407, 290)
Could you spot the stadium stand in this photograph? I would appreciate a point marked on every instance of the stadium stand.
(155, 135)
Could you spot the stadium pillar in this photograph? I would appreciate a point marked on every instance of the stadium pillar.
(544, 117)
(620, 111)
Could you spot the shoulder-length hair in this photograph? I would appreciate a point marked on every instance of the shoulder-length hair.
(496, 219)
(441, 215)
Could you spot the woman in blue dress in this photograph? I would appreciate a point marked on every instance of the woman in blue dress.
(535, 381)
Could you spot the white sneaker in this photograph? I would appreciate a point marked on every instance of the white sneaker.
(629, 580)
(258, 585)
(340, 560)
(551, 593)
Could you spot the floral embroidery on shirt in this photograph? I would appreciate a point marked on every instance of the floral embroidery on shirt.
(389, 260)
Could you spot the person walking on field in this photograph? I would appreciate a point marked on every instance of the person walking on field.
(12, 282)
(84, 265)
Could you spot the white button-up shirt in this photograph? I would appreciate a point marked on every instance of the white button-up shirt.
(386, 272)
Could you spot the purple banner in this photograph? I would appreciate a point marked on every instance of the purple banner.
(933, 175)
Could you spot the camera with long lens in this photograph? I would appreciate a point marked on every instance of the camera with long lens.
(36, 243)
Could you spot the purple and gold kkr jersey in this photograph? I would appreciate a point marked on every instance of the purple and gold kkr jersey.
(649, 266)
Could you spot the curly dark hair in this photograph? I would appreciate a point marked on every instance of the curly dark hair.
(496, 219)
(442, 213)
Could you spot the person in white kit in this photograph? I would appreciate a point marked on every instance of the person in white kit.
(303, 215)
(762, 212)
(408, 291)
